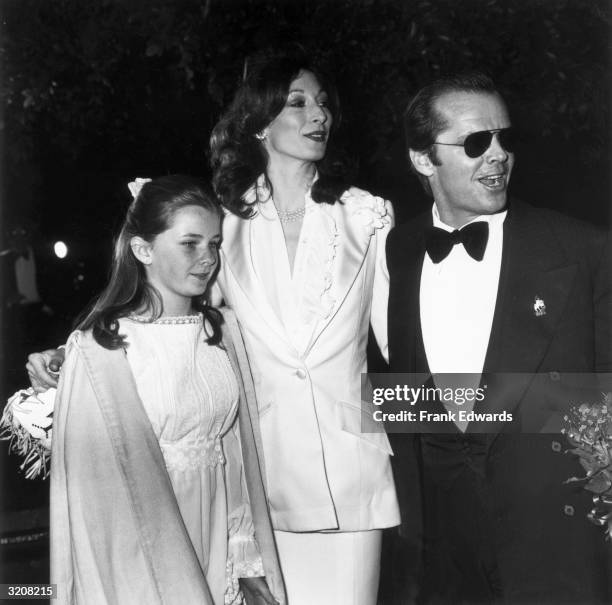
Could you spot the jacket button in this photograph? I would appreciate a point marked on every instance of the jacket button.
(300, 373)
(568, 510)
(555, 376)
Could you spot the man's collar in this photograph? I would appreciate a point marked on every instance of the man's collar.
(494, 220)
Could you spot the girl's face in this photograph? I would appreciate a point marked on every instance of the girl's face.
(181, 260)
(301, 130)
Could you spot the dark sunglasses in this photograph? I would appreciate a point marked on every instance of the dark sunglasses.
(477, 143)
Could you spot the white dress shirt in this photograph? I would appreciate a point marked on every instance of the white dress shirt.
(457, 302)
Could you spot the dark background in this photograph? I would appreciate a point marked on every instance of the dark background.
(96, 93)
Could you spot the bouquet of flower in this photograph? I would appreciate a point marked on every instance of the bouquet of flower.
(589, 431)
(26, 423)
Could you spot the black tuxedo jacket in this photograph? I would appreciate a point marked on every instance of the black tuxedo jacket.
(546, 549)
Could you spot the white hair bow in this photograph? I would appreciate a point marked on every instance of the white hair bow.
(136, 185)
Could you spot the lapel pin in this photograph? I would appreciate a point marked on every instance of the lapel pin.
(539, 308)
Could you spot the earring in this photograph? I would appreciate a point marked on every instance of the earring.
(260, 136)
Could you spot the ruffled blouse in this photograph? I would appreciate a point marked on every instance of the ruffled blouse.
(306, 296)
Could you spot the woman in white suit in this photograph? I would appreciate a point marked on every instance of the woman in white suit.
(303, 267)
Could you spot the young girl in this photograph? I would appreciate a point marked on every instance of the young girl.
(150, 465)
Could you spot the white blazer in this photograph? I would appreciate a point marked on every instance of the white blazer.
(306, 337)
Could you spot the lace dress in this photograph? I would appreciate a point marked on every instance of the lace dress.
(190, 395)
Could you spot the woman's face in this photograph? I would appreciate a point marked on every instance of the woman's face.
(301, 130)
(182, 259)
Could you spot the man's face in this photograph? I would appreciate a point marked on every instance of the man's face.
(463, 187)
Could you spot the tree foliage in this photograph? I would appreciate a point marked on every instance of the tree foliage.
(116, 86)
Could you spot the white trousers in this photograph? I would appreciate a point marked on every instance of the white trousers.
(330, 568)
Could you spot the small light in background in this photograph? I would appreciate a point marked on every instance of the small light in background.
(60, 249)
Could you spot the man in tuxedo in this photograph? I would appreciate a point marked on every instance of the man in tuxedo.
(482, 284)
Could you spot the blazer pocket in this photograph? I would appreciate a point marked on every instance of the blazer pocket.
(354, 420)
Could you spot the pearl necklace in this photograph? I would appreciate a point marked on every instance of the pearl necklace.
(168, 319)
(290, 216)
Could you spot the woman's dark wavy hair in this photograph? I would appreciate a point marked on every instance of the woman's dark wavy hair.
(128, 290)
(238, 158)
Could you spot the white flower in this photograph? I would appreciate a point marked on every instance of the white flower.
(369, 210)
(318, 294)
(136, 185)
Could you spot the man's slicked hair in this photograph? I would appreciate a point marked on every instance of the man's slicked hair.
(423, 123)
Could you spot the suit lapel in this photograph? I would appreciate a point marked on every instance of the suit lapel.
(533, 268)
(534, 273)
(408, 315)
(237, 255)
(352, 243)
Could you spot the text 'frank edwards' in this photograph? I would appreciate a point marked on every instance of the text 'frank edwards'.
(448, 416)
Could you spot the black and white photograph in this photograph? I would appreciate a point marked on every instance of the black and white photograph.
(306, 302)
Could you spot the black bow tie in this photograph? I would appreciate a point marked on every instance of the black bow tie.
(474, 238)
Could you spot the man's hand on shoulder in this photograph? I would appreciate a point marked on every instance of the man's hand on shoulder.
(43, 368)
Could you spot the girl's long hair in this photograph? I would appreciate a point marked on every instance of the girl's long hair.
(128, 290)
(238, 158)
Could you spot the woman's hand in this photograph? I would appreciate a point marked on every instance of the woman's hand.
(256, 591)
(43, 368)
